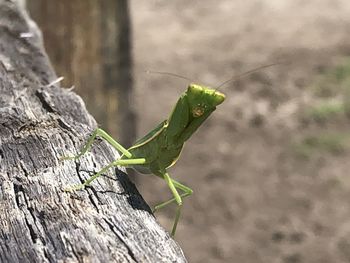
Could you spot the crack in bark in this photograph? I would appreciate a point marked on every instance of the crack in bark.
(23, 169)
(64, 125)
(48, 255)
(66, 242)
(111, 227)
(32, 233)
(17, 190)
(82, 180)
(33, 125)
(92, 199)
(44, 102)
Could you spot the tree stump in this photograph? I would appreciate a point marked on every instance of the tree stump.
(39, 123)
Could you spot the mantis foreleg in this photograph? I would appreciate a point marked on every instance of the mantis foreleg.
(101, 133)
(123, 162)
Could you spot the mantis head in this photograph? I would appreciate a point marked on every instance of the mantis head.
(202, 99)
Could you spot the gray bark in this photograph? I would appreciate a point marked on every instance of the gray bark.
(39, 222)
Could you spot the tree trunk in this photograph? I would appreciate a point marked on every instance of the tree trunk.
(39, 122)
(88, 42)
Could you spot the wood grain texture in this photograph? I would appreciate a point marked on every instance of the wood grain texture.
(39, 222)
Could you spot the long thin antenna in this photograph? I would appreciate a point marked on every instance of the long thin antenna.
(237, 77)
(169, 74)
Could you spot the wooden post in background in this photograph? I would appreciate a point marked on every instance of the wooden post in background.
(88, 42)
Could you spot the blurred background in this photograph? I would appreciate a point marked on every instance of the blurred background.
(269, 169)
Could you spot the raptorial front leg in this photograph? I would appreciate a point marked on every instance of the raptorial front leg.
(104, 135)
(123, 162)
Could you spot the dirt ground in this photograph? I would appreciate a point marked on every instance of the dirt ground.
(255, 199)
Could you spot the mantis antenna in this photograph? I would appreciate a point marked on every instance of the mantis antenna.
(169, 74)
(232, 79)
(240, 76)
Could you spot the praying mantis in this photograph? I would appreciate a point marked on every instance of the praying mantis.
(158, 150)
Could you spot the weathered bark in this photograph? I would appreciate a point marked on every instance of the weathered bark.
(39, 222)
(88, 43)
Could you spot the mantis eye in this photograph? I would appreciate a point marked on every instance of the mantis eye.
(197, 111)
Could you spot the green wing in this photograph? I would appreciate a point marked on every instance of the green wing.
(149, 136)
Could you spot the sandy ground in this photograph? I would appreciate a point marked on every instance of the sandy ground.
(254, 199)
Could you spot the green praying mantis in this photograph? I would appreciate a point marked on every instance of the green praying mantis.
(158, 150)
(161, 147)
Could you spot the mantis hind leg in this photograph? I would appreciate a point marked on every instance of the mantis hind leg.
(177, 198)
(104, 135)
(122, 162)
(186, 192)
